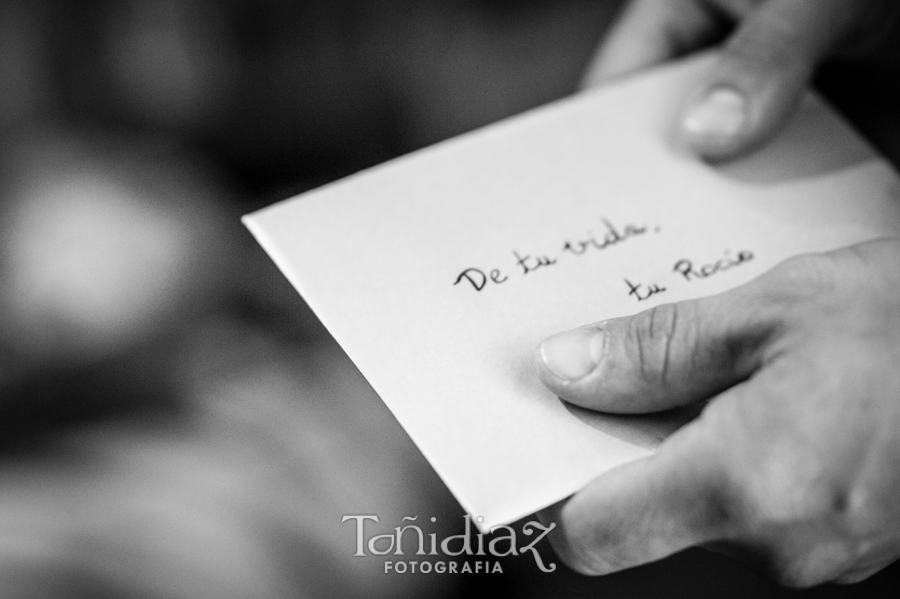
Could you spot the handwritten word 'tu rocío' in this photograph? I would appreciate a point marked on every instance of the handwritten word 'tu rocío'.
(691, 272)
(528, 263)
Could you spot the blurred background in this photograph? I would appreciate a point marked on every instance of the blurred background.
(175, 423)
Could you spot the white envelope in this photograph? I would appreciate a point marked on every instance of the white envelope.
(427, 269)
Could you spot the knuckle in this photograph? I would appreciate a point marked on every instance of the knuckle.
(774, 492)
(795, 574)
(857, 575)
(804, 490)
(777, 503)
(654, 335)
(726, 510)
(779, 496)
(812, 564)
(723, 511)
(861, 512)
(720, 510)
(722, 505)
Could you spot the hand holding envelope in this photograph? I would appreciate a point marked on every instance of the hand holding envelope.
(794, 459)
(769, 58)
(792, 465)
(577, 211)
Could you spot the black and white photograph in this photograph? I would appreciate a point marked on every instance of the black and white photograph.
(439, 299)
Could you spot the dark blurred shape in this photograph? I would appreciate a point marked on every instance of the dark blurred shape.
(173, 421)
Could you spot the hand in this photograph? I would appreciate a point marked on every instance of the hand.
(793, 463)
(771, 51)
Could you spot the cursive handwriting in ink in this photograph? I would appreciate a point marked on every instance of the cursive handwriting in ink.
(530, 264)
(525, 264)
(611, 237)
(690, 272)
(643, 292)
(478, 279)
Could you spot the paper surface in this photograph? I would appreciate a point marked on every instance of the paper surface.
(427, 270)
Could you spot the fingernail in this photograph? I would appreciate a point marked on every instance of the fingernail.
(574, 354)
(722, 113)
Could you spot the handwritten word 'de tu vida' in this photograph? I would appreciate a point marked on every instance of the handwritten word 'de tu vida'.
(526, 264)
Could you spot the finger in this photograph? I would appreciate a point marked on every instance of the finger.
(761, 74)
(649, 32)
(646, 510)
(668, 356)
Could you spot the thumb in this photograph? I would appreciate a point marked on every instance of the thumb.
(668, 356)
(761, 74)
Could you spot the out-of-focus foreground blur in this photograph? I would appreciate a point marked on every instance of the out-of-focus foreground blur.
(175, 423)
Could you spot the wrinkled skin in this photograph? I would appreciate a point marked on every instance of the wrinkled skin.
(792, 465)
